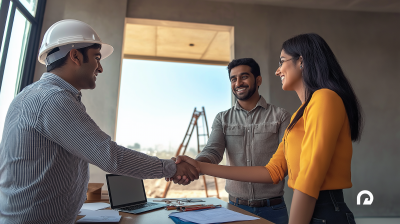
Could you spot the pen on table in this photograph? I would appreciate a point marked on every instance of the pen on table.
(189, 206)
(199, 207)
(171, 207)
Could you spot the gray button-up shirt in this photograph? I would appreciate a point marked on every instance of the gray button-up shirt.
(47, 144)
(250, 139)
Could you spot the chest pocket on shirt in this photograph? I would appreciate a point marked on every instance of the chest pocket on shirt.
(266, 137)
(234, 139)
(265, 131)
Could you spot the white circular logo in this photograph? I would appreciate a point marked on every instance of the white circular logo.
(367, 201)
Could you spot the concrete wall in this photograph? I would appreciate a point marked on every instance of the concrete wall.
(107, 17)
(367, 47)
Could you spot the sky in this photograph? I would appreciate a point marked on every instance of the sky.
(157, 100)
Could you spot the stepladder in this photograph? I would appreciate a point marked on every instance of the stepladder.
(202, 135)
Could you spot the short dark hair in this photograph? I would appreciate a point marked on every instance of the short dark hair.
(61, 62)
(255, 68)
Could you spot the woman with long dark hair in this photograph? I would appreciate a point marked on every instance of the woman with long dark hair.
(316, 149)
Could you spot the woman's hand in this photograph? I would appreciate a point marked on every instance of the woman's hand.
(189, 160)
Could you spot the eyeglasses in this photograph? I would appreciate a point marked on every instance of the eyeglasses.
(281, 62)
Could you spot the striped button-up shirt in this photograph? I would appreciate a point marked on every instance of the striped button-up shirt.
(47, 144)
(250, 139)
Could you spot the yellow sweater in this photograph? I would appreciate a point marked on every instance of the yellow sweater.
(316, 153)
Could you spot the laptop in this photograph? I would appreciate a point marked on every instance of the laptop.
(127, 194)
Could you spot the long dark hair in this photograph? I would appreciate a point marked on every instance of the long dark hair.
(321, 70)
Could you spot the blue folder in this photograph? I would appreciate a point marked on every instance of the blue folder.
(178, 221)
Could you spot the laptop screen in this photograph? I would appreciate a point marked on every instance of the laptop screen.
(125, 190)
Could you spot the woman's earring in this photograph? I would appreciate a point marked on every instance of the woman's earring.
(301, 68)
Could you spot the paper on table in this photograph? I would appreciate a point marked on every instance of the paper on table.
(99, 219)
(216, 215)
(98, 212)
(95, 206)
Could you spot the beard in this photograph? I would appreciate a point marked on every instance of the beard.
(90, 82)
(249, 94)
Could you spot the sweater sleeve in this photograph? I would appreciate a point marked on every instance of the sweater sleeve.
(324, 117)
(277, 166)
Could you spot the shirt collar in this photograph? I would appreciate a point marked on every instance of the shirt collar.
(261, 103)
(58, 81)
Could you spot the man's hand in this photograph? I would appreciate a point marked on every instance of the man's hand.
(185, 173)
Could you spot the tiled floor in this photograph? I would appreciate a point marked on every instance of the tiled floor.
(378, 220)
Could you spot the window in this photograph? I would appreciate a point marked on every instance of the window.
(157, 100)
(156, 103)
(169, 68)
(20, 24)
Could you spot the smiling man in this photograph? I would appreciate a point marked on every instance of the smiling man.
(250, 132)
(49, 139)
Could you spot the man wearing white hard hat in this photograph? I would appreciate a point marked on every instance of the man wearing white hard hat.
(49, 139)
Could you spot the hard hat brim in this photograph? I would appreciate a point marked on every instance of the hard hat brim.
(106, 50)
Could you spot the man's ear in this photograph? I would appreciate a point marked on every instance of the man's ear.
(259, 80)
(75, 56)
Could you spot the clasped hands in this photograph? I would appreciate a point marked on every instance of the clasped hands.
(187, 170)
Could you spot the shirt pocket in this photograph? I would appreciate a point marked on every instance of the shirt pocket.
(234, 139)
(266, 138)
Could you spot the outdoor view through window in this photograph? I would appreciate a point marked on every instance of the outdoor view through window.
(156, 103)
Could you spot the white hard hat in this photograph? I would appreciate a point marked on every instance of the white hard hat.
(67, 35)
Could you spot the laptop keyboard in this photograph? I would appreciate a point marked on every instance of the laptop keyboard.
(134, 207)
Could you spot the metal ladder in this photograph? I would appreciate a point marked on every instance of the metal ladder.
(186, 139)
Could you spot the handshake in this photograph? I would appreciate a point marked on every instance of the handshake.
(187, 170)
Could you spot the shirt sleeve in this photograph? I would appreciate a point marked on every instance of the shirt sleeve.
(65, 122)
(324, 117)
(215, 148)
